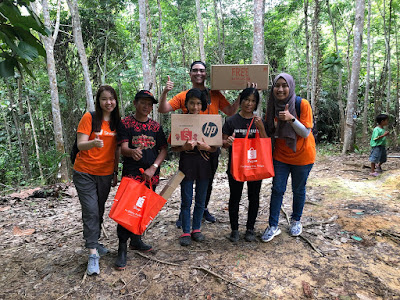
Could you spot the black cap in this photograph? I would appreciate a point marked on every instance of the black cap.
(145, 94)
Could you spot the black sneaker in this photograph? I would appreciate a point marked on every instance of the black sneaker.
(185, 239)
(197, 236)
(102, 250)
(208, 217)
(234, 237)
(137, 244)
(250, 236)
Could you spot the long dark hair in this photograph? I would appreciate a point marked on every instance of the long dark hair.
(98, 117)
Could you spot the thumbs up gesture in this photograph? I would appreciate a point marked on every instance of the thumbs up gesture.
(97, 142)
(169, 85)
(285, 115)
(230, 139)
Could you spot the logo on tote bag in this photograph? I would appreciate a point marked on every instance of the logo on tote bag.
(140, 201)
(251, 154)
(210, 129)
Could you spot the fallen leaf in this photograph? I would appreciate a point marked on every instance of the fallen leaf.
(5, 208)
(307, 289)
(20, 232)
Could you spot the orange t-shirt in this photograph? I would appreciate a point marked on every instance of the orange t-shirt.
(96, 161)
(218, 102)
(305, 147)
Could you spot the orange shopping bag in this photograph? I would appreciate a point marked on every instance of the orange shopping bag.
(252, 158)
(135, 205)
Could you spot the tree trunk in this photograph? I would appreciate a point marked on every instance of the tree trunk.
(24, 139)
(121, 102)
(389, 60)
(307, 48)
(28, 104)
(144, 45)
(355, 76)
(223, 33)
(258, 38)
(315, 77)
(348, 30)
(183, 49)
(7, 129)
(48, 42)
(366, 98)
(77, 30)
(397, 87)
(220, 55)
(17, 128)
(340, 76)
(154, 57)
(201, 32)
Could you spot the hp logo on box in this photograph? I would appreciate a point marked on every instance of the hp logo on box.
(210, 129)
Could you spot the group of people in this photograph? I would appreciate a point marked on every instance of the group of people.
(102, 137)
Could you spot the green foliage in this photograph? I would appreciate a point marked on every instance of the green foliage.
(110, 30)
(333, 63)
(329, 149)
(19, 46)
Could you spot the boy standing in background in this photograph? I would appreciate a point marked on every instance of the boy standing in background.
(378, 144)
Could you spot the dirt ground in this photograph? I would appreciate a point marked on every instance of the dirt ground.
(349, 249)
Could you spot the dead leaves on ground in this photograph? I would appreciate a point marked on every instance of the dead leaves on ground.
(22, 232)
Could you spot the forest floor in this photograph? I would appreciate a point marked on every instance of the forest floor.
(349, 249)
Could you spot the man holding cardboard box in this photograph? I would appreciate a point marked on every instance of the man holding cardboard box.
(215, 102)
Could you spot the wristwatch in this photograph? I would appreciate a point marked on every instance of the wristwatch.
(294, 119)
(155, 165)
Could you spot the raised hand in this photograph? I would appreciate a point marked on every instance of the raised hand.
(189, 145)
(169, 85)
(251, 85)
(203, 145)
(230, 139)
(259, 123)
(285, 115)
(97, 142)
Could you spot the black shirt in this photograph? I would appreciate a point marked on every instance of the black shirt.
(149, 135)
(238, 125)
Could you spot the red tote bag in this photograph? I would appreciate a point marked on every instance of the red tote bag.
(252, 158)
(135, 205)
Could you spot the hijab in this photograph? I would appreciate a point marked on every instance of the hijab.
(283, 129)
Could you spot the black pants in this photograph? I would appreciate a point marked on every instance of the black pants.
(236, 187)
(93, 192)
(214, 166)
(123, 234)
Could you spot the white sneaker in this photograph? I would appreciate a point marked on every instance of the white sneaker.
(93, 267)
(270, 233)
(295, 228)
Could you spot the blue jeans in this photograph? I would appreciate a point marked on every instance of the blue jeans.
(299, 179)
(187, 196)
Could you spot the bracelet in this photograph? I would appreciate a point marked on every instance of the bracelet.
(155, 165)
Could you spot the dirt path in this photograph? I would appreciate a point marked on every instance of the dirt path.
(350, 249)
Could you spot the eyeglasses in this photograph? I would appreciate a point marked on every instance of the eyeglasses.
(198, 70)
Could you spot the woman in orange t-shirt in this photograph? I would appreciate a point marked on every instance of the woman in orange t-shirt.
(96, 168)
(294, 151)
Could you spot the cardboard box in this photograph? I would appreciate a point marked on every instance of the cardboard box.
(236, 77)
(196, 128)
(172, 184)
